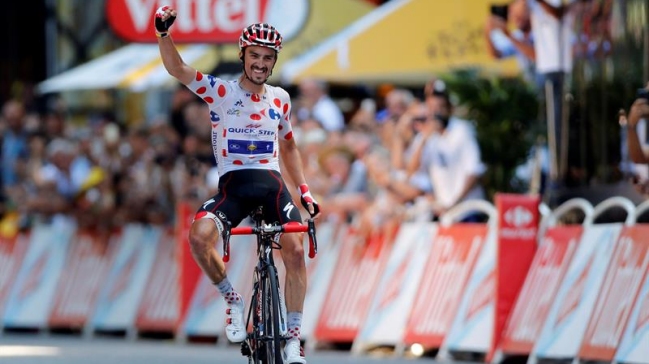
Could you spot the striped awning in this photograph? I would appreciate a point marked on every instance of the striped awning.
(136, 67)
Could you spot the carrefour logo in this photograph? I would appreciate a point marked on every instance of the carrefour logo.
(274, 114)
(518, 216)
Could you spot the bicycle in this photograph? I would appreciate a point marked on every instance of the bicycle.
(267, 310)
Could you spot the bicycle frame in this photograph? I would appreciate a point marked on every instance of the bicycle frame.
(266, 310)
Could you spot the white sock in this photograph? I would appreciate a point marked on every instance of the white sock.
(294, 324)
(228, 292)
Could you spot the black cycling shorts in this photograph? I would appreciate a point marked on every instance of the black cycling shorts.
(242, 191)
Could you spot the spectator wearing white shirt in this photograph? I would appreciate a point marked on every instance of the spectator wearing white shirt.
(552, 24)
(452, 156)
(317, 104)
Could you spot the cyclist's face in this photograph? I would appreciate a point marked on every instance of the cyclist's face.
(258, 63)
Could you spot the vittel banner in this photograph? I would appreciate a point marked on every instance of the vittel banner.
(205, 21)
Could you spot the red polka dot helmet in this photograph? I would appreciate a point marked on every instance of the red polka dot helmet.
(261, 34)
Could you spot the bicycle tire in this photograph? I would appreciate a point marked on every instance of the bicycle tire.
(270, 314)
(266, 338)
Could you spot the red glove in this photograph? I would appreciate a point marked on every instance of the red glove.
(162, 26)
(307, 199)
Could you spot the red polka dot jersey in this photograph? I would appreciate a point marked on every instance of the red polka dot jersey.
(246, 126)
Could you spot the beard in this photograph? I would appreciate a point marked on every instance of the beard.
(258, 78)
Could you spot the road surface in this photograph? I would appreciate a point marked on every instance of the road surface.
(69, 349)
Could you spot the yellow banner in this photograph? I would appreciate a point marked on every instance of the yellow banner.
(411, 43)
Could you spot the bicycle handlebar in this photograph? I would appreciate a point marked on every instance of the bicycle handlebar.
(272, 229)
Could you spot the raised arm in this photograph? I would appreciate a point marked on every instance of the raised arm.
(171, 59)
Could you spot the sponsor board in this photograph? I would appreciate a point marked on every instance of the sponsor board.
(634, 346)
(127, 277)
(472, 327)
(32, 295)
(12, 253)
(448, 268)
(565, 326)
(398, 286)
(159, 308)
(205, 21)
(84, 273)
(351, 289)
(542, 282)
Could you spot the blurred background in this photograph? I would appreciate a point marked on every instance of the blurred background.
(402, 109)
(83, 90)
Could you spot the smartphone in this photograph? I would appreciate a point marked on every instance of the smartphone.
(642, 93)
(499, 11)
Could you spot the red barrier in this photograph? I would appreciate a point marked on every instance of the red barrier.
(86, 267)
(189, 271)
(518, 222)
(12, 252)
(453, 256)
(159, 310)
(617, 295)
(351, 289)
(548, 268)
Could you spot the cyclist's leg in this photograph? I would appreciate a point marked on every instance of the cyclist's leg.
(204, 235)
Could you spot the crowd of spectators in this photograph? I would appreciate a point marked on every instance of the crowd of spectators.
(371, 168)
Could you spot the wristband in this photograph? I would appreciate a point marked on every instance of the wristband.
(161, 35)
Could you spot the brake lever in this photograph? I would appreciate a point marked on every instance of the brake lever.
(313, 243)
(226, 242)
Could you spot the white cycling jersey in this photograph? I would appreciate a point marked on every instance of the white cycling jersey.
(245, 126)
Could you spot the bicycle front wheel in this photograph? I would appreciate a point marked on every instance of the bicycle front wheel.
(270, 312)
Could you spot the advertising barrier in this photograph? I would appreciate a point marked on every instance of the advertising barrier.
(320, 270)
(447, 271)
(386, 320)
(32, 294)
(125, 284)
(555, 251)
(564, 329)
(472, 325)
(518, 224)
(86, 266)
(159, 309)
(623, 278)
(634, 344)
(352, 287)
(12, 253)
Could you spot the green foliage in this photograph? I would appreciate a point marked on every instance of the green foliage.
(504, 111)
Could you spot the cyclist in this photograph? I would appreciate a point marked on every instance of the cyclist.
(251, 130)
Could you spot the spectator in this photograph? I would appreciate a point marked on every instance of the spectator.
(397, 102)
(518, 42)
(59, 181)
(452, 156)
(636, 142)
(552, 25)
(317, 104)
(14, 144)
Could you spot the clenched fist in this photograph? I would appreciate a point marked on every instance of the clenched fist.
(164, 17)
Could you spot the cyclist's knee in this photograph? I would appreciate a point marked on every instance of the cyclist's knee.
(205, 232)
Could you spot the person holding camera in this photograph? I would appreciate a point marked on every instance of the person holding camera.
(637, 144)
(451, 155)
(517, 42)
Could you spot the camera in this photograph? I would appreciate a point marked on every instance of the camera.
(642, 93)
(499, 11)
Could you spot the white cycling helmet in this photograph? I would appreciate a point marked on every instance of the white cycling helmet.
(261, 34)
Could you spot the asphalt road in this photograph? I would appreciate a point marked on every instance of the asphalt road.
(66, 349)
